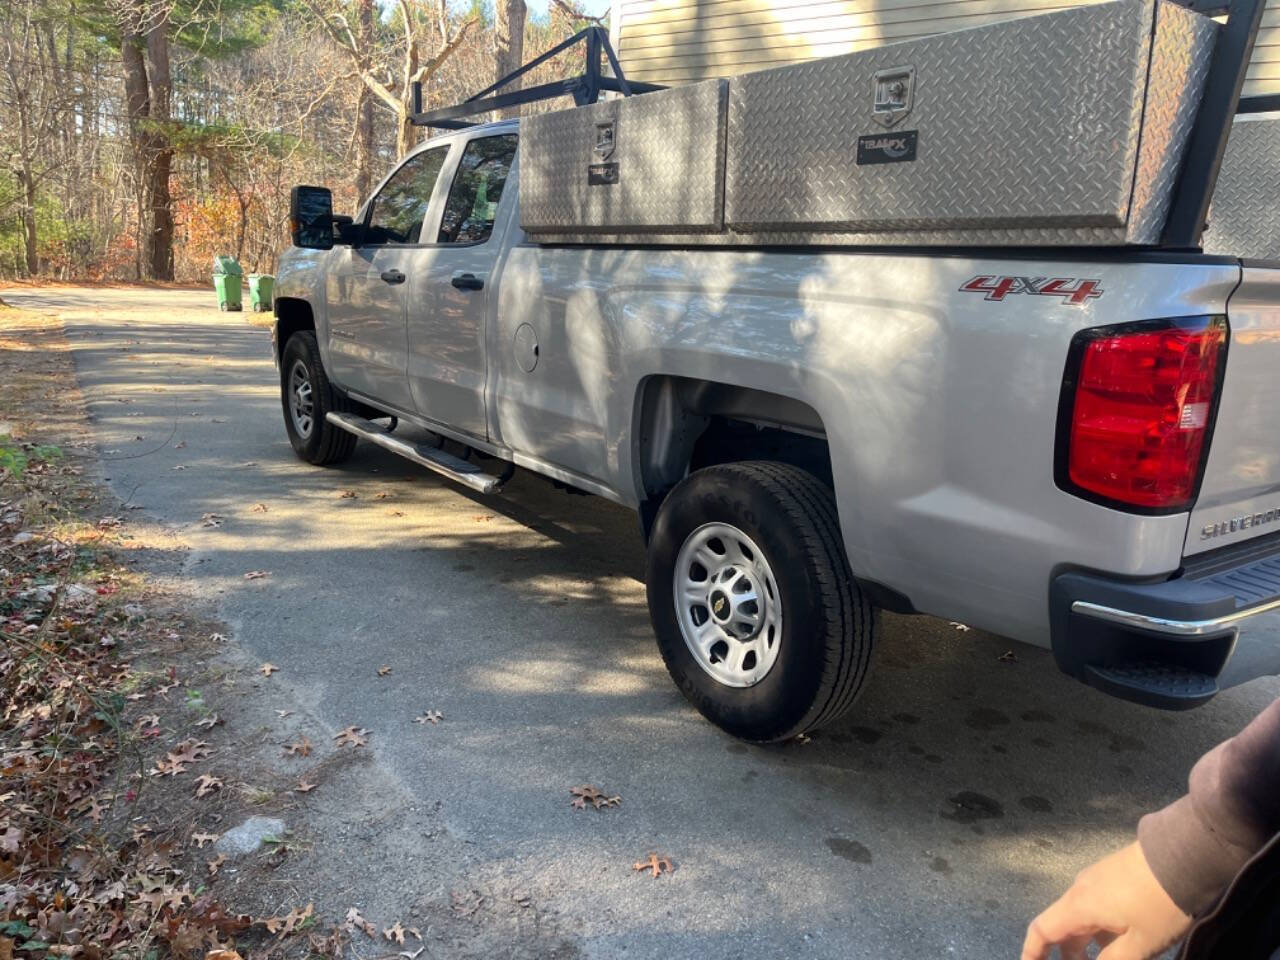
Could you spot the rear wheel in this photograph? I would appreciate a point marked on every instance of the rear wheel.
(757, 614)
(307, 396)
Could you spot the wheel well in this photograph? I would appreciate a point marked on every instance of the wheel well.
(292, 316)
(687, 424)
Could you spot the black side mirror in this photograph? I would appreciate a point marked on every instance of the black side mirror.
(311, 217)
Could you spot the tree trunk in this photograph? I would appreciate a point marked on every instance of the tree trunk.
(161, 149)
(406, 132)
(364, 112)
(138, 107)
(29, 222)
(508, 46)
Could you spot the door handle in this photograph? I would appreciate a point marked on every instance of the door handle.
(393, 276)
(467, 281)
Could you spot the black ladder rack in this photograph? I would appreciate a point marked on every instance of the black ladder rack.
(584, 89)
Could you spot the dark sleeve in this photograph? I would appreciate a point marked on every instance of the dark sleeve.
(1196, 845)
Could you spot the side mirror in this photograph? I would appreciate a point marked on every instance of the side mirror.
(311, 217)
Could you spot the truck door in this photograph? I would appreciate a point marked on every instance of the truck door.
(367, 289)
(451, 288)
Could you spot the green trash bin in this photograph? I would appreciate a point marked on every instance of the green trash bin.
(226, 281)
(260, 287)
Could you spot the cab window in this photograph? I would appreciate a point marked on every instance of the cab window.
(396, 213)
(477, 190)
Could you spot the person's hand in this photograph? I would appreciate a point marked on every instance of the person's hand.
(1119, 903)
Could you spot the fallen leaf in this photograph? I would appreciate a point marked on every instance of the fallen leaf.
(284, 713)
(658, 863)
(218, 638)
(304, 787)
(431, 716)
(180, 445)
(395, 933)
(384, 671)
(208, 723)
(356, 736)
(267, 669)
(354, 921)
(383, 495)
(482, 517)
(180, 466)
(593, 795)
(222, 955)
(260, 508)
(257, 574)
(1008, 657)
(211, 520)
(347, 495)
(397, 513)
(206, 784)
(289, 923)
(215, 864)
(962, 627)
(203, 839)
(95, 811)
(411, 954)
(300, 749)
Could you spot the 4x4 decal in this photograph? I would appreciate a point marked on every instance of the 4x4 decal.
(1070, 289)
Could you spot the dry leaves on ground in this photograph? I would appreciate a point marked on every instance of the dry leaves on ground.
(355, 736)
(202, 839)
(257, 574)
(431, 716)
(300, 749)
(289, 922)
(267, 669)
(304, 787)
(395, 933)
(347, 495)
(656, 862)
(593, 795)
(260, 508)
(384, 671)
(211, 519)
(354, 921)
(206, 784)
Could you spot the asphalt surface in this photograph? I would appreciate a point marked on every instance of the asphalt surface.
(960, 796)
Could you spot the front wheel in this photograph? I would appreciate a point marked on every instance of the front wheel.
(307, 396)
(757, 614)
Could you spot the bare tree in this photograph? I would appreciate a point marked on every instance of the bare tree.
(364, 106)
(148, 88)
(508, 45)
(395, 94)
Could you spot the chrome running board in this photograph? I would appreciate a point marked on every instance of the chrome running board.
(446, 464)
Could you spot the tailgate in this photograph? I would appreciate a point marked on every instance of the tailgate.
(1240, 495)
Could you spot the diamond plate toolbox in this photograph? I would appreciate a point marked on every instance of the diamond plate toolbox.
(1063, 129)
(1244, 220)
(1066, 127)
(651, 163)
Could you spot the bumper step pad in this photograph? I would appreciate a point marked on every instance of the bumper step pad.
(1164, 685)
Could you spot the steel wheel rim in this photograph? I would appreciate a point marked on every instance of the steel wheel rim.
(301, 400)
(728, 605)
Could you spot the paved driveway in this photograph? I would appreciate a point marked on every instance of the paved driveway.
(961, 795)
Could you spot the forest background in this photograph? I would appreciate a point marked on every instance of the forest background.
(140, 138)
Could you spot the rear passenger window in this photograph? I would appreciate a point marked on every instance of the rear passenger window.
(477, 189)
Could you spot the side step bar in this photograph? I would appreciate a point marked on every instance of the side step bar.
(446, 464)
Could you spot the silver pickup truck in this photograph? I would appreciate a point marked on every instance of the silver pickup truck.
(1077, 448)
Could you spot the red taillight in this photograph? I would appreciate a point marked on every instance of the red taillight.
(1143, 404)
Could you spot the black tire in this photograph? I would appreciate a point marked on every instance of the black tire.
(828, 627)
(322, 443)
